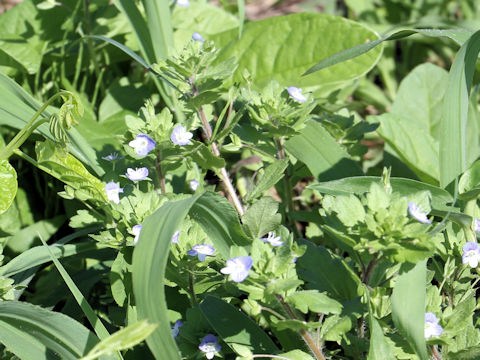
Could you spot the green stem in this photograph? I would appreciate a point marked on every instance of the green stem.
(158, 167)
(191, 283)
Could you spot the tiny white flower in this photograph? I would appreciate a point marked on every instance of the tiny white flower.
(136, 231)
(180, 136)
(194, 185)
(197, 37)
(417, 213)
(182, 2)
(296, 94)
(471, 254)
(175, 236)
(476, 225)
(432, 328)
(112, 189)
(272, 239)
(138, 174)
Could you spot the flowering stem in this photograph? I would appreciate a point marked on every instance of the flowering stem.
(305, 335)
(223, 172)
(158, 167)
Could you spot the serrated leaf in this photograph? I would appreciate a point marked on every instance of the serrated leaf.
(204, 157)
(261, 217)
(272, 174)
(313, 300)
(8, 185)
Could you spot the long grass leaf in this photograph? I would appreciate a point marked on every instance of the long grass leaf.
(241, 16)
(453, 133)
(160, 27)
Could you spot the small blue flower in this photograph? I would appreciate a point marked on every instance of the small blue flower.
(432, 328)
(112, 189)
(176, 328)
(180, 136)
(238, 268)
(138, 174)
(476, 225)
(296, 94)
(197, 37)
(112, 157)
(182, 2)
(471, 254)
(210, 346)
(194, 185)
(417, 213)
(143, 144)
(202, 251)
(136, 231)
(175, 236)
(272, 239)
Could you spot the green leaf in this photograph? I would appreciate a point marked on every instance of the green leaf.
(312, 300)
(8, 185)
(327, 272)
(361, 184)
(276, 48)
(453, 130)
(33, 333)
(120, 277)
(323, 156)
(236, 329)
(159, 27)
(379, 348)
(470, 353)
(272, 174)
(123, 339)
(204, 18)
(261, 217)
(408, 305)
(469, 183)
(204, 157)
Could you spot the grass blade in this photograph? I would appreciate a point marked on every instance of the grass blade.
(241, 16)
(159, 26)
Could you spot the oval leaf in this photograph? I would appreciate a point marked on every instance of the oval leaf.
(8, 185)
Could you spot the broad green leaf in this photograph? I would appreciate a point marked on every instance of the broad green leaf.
(123, 339)
(8, 185)
(408, 305)
(24, 238)
(458, 35)
(203, 18)
(361, 184)
(324, 157)
(39, 255)
(17, 107)
(204, 157)
(261, 217)
(313, 300)
(284, 47)
(120, 277)
(67, 168)
(453, 130)
(235, 328)
(272, 174)
(470, 353)
(34, 333)
(327, 272)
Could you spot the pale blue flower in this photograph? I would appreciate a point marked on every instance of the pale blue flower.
(432, 328)
(182, 2)
(143, 144)
(194, 185)
(296, 94)
(175, 236)
(197, 37)
(238, 268)
(112, 157)
(417, 213)
(112, 189)
(202, 251)
(210, 346)
(471, 254)
(136, 231)
(138, 174)
(272, 239)
(176, 328)
(180, 136)
(476, 225)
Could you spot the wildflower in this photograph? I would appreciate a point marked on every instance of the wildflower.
(210, 346)
(143, 144)
(176, 328)
(471, 254)
(476, 226)
(201, 251)
(197, 37)
(112, 157)
(182, 2)
(138, 174)
(175, 236)
(136, 231)
(431, 326)
(415, 211)
(180, 136)
(272, 239)
(113, 190)
(238, 268)
(194, 185)
(296, 94)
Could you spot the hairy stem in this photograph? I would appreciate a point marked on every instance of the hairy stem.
(317, 352)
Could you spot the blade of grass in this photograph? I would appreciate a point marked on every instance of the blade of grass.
(453, 134)
(160, 27)
(96, 323)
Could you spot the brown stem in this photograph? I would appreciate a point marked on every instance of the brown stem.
(305, 335)
(435, 353)
(368, 272)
